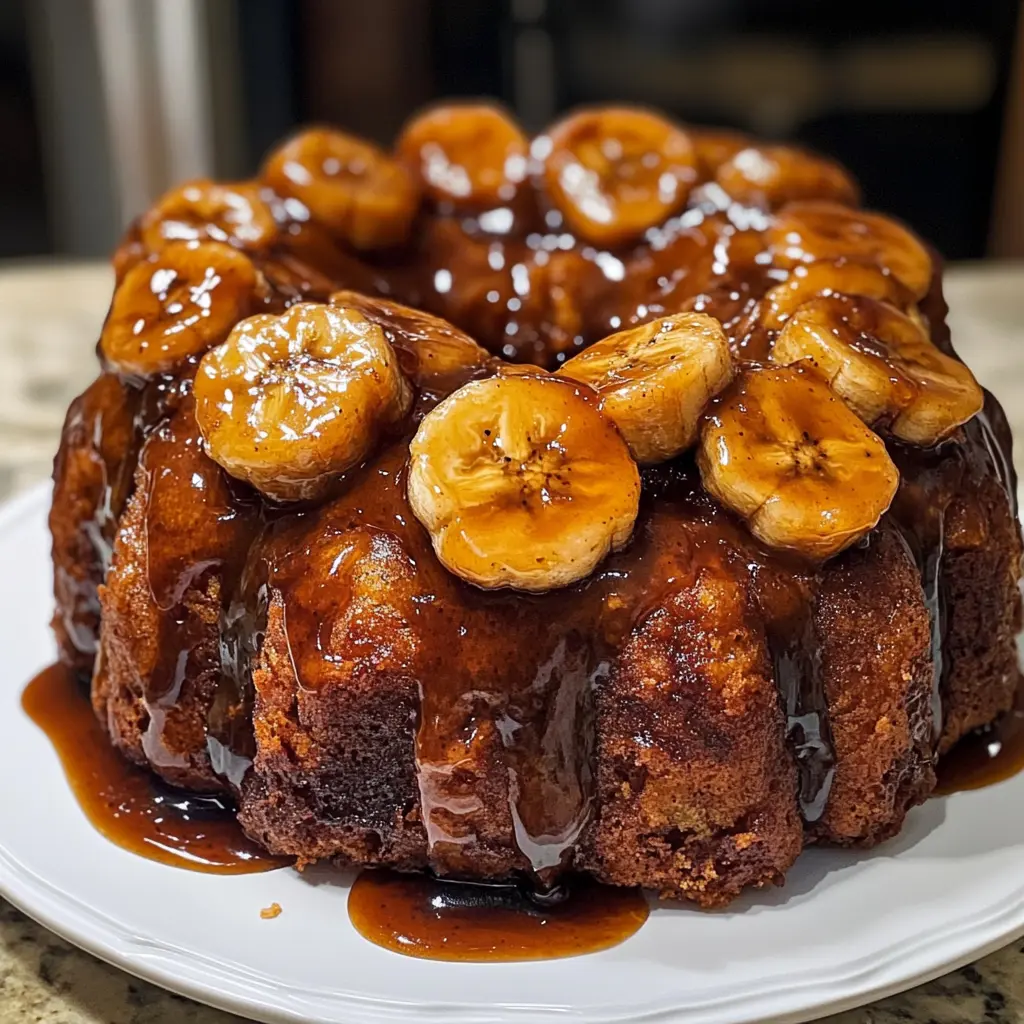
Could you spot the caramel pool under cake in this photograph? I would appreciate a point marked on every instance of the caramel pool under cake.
(683, 540)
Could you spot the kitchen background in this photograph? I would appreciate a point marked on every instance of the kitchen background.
(105, 103)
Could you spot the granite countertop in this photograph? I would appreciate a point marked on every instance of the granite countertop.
(49, 317)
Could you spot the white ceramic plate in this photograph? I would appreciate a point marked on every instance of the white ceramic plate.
(847, 927)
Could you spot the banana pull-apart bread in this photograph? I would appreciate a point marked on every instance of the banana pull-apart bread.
(609, 501)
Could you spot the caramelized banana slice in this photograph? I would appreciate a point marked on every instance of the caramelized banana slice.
(773, 175)
(352, 187)
(289, 402)
(882, 365)
(522, 483)
(806, 232)
(655, 380)
(176, 305)
(430, 350)
(203, 210)
(472, 153)
(831, 277)
(617, 171)
(784, 452)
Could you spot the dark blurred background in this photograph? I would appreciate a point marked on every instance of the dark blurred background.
(105, 103)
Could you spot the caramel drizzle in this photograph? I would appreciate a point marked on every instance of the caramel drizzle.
(797, 669)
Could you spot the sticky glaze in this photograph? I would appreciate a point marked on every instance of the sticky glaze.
(990, 755)
(422, 917)
(126, 804)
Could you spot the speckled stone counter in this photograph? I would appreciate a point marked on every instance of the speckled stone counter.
(49, 317)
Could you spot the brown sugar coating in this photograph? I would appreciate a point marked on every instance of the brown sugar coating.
(688, 715)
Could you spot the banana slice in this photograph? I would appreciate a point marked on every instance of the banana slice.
(471, 153)
(430, 350)
(617, 171)
(786, 454)
(522, 483)
(176, 305)
(881, 363)
(831, 277)
(655, 380)
(288, 402)
(352, 187)
(805, 232)
(773, 175)
(203, 210)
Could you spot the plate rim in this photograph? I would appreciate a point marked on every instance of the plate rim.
(832, 988)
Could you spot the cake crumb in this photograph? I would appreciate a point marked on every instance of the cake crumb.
(269, 913)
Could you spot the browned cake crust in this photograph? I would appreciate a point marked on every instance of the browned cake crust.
(875, 637)
(981, 577)
(695, 792)
(335, 771)
(686, 718)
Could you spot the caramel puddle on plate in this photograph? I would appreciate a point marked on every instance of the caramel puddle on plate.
(421, 916)
(126, 804)
(985, 757)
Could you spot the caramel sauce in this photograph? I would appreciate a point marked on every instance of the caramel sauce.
(988, 756)
(126, 804)
(198, 527)
(421, 916)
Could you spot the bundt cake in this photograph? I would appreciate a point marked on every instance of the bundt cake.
(609, 501)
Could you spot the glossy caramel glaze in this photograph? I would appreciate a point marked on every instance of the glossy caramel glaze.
(503, 681)
(990, 755)
(93, 474)
(419, 916)
(129, 806)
